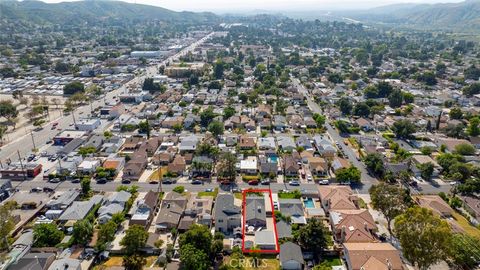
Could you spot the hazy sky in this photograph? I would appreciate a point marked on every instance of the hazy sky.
(273, 5)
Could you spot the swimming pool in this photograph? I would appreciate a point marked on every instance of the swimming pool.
(273, 159)
(309, 203)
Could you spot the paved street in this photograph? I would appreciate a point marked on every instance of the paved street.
(25, 143)
(367, 180)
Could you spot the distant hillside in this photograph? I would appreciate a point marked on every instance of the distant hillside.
(463, 16)
(93, 11)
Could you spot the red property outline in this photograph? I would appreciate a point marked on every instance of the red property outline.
(244, 202)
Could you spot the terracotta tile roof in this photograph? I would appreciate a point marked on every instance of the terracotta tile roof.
(373, 256)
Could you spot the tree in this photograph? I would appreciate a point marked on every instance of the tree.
(8, 110)
(193, 258)
(153, 87)
(313, 236)
(350, 174)
(7, 223)
(423, 236)
(464, 252)
(427, 77)
(216, 128)
(134, 262)
(135, 239)
(144, 127)
(345, 105)
(408, 97)
(243, 98)
(226, 167)
(465, 149)
(374, 163)
(46, 235)
(395, 99)
(199, 237)
(218, 68)
(456, 113)
(82, 232)
(73, 87)
(206, 116)
(85, 184)
(179, 189)
(473, 128)
(384, 89)
(361, 109)
(106, 234)
(403, 128)
(319, 119)
(228, 112)
(426, 170)
(388, 199)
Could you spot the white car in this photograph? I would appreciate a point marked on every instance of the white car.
(309, 178)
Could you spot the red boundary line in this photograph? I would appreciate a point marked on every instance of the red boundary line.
(244, 202)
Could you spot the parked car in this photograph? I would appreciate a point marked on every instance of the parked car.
(209, 190)
(54, 180)
(196, 182)
(294, 183)
(323, 182)
(309, 178)
(167, 181)
(265, 182)
(48, 189)
(36, 189)
(253, 182)
(103, 181)
(126, 181)
(76, 180)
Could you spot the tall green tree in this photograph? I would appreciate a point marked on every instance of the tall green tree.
(473, 128)
(7, 223)
(134, 240)
(216, 128)
(403, 128)
(390, 200)
(464, 252)
(351, 174)
(424, 237)
(395, 99)
(374, 163)
(193, 258)
(226, 166)
(46, 235)
(134, 262)
(426, 170)
(82, 232)
(313, 236)
(345, 105)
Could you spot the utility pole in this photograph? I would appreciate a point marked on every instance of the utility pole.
(21, 165)
(74, 121)
(33, 141)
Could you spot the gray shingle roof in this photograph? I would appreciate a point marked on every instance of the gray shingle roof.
(291, 252)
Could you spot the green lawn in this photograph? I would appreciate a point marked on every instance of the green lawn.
(290, 195)
(332, 260)
(206, 193)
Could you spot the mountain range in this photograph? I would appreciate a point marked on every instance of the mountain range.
(93, 11)
(464, 16)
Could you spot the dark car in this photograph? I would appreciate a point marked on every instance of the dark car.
(167, 181)
(36, 189)
(102, 181)
(253, 182)
(126, 181)
(265, 182)
(47, 189)
(76, 180)
(197, 182)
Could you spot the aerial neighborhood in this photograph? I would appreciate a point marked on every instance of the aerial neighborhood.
(255, 144)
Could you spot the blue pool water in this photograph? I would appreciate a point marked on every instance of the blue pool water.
(274, 159)
(309, 203)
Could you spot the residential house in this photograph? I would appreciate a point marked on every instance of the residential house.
(249, 165)
(135, 166)
(266, 143)
(472, 205)
(240, 121)
(303, 141)
(171, 211)
(114, 204)
(227, 214)
(353, 226)
(88, 166)
(293, 208)
(364, 124)
(291, 166)
(279, 122)
(80, 209)
(418, 160)
(255, 212)
(177, 166)
(145, 209)
(337, 198)
(318, 166)
(65, 264)
(188, 144)
(198, 211)
(340, 163)
(286, 143)
(324, 147)
(246, 143)
(375, 256)
(291, 257)
(265, 240)
(436, 204)
(267, 166)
